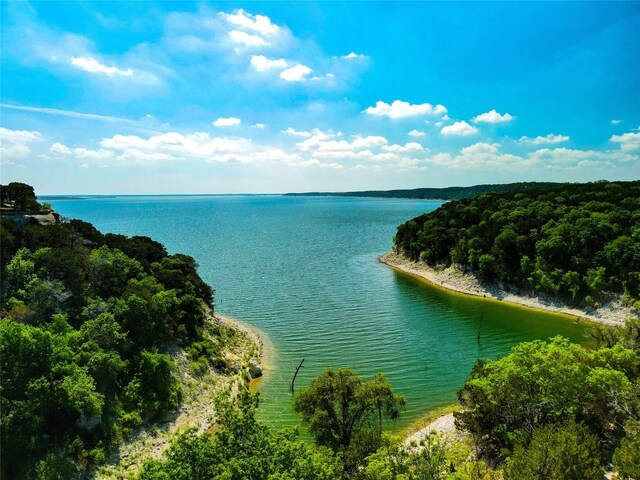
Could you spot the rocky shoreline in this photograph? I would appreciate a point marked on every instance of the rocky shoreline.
(614, 312)
(198, 410)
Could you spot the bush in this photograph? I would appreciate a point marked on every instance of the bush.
(557, 452)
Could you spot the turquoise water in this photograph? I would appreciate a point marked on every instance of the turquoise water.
(305, 271)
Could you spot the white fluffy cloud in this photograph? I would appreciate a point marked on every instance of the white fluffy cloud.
(257, 23)
(59, 149)
(297, 133)
(14, 144)
(329, 144)
(628, 141)
(297, 73)
(615, 122)
(369, 141)
(353, 56)
(400, 109)
(492, 117)
(247, 39)
(174, 146)
(481, 155)
(485, 156)
(318, 164)
(17, 137)
(199, 144)
(95, 155)
(547, 139)
(91, 65)
(226, 122)
(417, 133)
(563, 157)
(208, 43)
(408, 147)
(459, 129)
(262, 63)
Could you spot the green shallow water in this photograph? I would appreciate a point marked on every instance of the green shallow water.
(305, 271)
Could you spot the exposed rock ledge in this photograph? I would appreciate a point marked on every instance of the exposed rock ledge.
(613, 312)
(45, 217)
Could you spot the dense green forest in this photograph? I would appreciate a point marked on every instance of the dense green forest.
(448, 193)
(577, 242)
(86, 323)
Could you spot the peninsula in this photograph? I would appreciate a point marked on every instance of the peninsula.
(571, 249)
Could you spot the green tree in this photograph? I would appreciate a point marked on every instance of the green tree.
(539, 383)
(579, 242)
(557, 452)
(86, 322)
(626, 459)
(344, 413)
(110, 270)
(243, 448)
(19, 195)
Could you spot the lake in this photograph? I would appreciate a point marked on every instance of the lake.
(305, 271)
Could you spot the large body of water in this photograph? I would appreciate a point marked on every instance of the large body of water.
(305, 271)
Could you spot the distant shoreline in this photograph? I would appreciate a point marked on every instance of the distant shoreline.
(613, 313)
(368, 197)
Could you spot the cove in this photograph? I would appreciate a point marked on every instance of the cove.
(305, 270)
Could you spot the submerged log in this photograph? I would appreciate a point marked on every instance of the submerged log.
(291, 384)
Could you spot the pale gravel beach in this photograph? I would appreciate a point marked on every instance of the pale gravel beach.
(445, 425)
(615, 312)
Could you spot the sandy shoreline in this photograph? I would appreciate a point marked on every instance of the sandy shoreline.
(613, 313)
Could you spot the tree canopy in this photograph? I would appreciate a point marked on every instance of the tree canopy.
(243, 448)
(344, 413)
(18, 196)
(87, 321)
(576, 241)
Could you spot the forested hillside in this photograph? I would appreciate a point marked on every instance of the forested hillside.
(87, 320)
(447, 193)
(578, 242)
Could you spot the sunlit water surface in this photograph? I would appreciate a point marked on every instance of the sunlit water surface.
(305, 271)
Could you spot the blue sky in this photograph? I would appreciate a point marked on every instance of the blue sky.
(268, 97)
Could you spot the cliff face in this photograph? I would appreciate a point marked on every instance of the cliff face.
(25, 218)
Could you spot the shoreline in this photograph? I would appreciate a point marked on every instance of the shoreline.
(443, 424)
(431, 420)
(259, 338)
(614, 313)
(198, 408)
